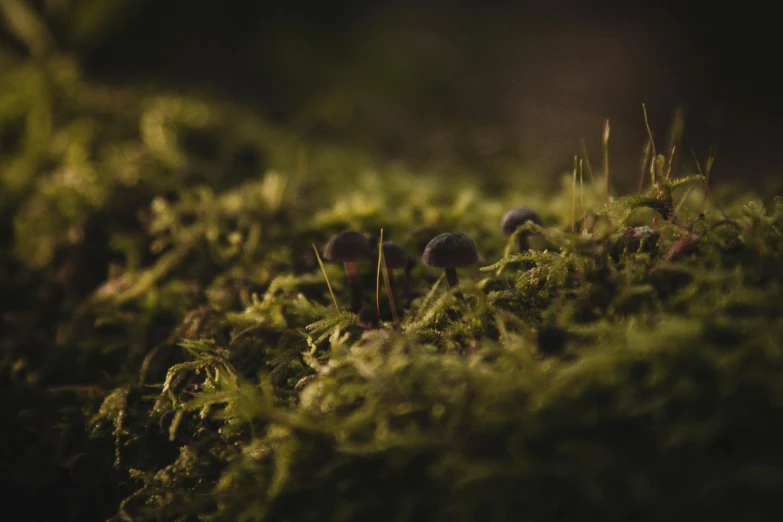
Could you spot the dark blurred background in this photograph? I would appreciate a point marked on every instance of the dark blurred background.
(465, 80)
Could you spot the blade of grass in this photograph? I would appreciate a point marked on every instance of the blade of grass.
(649, 131)
(643, 164)
(655, 175)
(587, 161)
(387, 285)
(606, 159)
(378, 275)
(323, 271)
(582, 198)
(670, 163)
(573, 199)
(675, 135)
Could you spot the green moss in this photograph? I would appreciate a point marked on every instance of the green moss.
(162, 286)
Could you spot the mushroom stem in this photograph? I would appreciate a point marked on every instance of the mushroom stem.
(451, 277)
(523, 243)
(355, 284)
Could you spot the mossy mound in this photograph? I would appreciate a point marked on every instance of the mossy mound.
(170, 349)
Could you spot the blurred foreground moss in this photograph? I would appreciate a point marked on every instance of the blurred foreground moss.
(170, 350)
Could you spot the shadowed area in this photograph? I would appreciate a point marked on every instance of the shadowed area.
(477, 78)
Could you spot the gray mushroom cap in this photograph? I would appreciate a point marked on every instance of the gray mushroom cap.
(393, 254)
(347, 246)
(517, 217)
(450, 250)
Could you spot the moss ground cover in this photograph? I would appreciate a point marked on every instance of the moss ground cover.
(171, 349)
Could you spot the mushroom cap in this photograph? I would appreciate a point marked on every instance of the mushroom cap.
(517, 217)
(368, 318)
(347, 246)
(393, 254)
(450, 250)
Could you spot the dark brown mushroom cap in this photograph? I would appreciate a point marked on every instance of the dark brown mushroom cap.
(368, 318)
(450, 250)
(393, 254)
(347, 246)
(517, 217)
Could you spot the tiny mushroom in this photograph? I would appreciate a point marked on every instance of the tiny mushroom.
(395, 259)
(349, 247)
(514, 219)
(368, 318)
(450, 250)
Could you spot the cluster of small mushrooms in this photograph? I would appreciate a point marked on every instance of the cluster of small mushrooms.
(450, 250)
